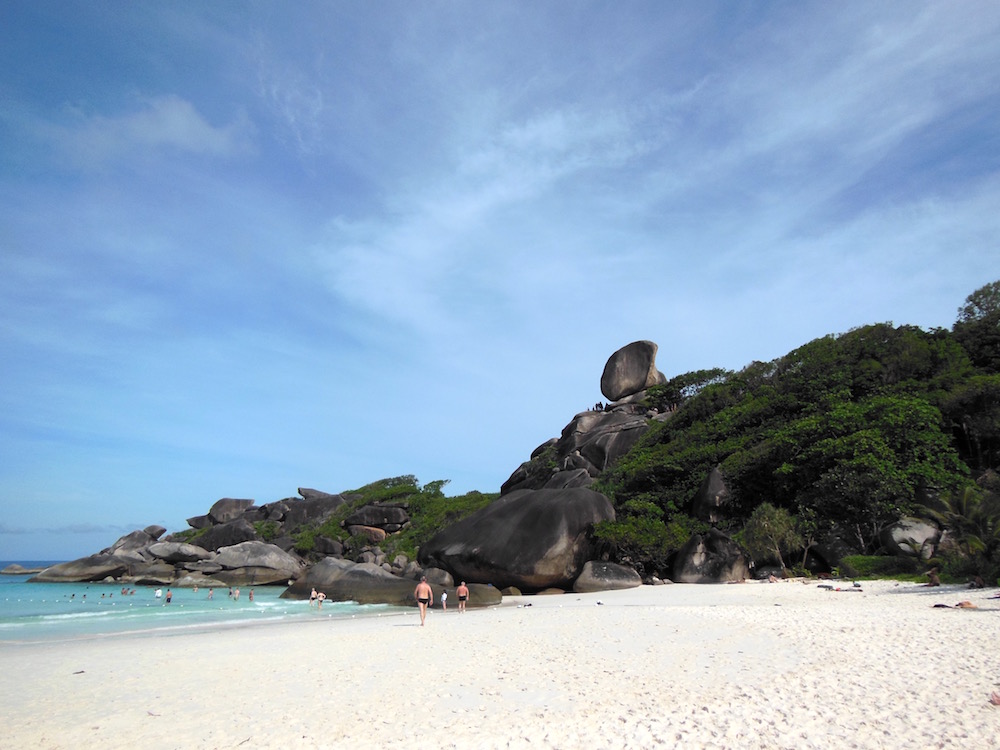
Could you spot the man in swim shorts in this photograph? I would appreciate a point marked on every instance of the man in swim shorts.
(424, 595)
(463, 596)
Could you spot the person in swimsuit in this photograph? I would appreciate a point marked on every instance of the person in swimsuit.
(424, 595)
(312, 598)
(463, 596)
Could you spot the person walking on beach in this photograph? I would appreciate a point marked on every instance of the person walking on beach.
(424, 595)
(444, 601)
(211, 593)
(462, 592)
(170, 595)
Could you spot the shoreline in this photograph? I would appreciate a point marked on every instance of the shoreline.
(736, 666)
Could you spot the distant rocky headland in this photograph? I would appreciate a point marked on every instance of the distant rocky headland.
(668, 481)
(536, 536)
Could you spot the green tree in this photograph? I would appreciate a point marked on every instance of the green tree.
(978, 327)
(869, 461)
(973, 409)
(770, 531)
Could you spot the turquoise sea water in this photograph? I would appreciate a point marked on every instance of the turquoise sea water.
(31, 612)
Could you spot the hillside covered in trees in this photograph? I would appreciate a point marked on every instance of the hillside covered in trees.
(826, 446)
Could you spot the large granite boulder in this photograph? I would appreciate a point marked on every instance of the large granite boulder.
(711, 498)
(910, 537)
(155, 531)
(346, 581)
(199, 522)
(606, 576)
(366, 583)
(153, 573)
(92, 568)
(531, 539)
(378, 515)
(710, 558)
(132, 542)
(307, 493)
(313, 510)
(631, 369)
(228, 509)
(257, 563)
(226, 535)
(175, 552)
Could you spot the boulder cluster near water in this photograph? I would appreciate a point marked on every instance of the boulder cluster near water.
(536, 537)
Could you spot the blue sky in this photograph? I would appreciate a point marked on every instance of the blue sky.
(252, 246)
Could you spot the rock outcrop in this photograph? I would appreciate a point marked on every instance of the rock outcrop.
(605, 576)
(92, 568)
(366, 583)
(257, 563)
(531, 539)
(910, 537)
(711, 557)
(536, 536)
(631, 369)
(596, 439)
(178, 552)
(712, 497)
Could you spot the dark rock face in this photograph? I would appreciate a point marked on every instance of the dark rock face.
(228, 509)
(710, 558)
(910, 537)
(311, 510)
(199, 522)
(631, 369)
(378, 515)
(606, 576)
(589, 444)
(712, 497)
(310, 494)
(531, 539)
(226, 535)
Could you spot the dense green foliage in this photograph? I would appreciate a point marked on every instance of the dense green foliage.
(769, 532)
(845, 433)
(429, 509)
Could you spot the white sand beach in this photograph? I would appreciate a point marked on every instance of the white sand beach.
(758, 665)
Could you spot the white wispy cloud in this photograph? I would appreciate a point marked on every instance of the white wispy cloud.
(160, 124)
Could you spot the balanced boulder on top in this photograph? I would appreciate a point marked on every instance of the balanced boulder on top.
(631, 369)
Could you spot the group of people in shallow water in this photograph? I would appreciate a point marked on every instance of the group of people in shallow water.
(423, 593)
(234, 594)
